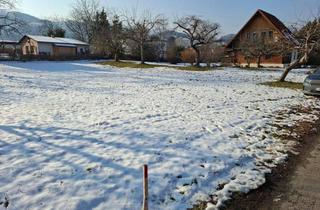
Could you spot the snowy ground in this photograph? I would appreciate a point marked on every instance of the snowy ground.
(74, 135)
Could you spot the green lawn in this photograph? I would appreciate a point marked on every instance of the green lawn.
(290, 85)
(129, 64)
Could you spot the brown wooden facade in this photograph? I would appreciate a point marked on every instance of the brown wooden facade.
(48, 47)
(261, 24)
(64, 51)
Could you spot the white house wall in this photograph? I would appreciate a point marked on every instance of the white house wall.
(45, 48)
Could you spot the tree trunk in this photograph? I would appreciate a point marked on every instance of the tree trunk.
(293, 65)
(197, 56)
(141, 53)
(302, 60)
(116, 57)
(259, 61)
(248, 63)
(15, 52)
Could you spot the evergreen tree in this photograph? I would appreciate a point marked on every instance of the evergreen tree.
(101, 33)
(56, 32)
(117, 38)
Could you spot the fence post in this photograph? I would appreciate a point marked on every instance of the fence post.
(145, 187)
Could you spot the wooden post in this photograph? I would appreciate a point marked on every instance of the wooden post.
(145, 187)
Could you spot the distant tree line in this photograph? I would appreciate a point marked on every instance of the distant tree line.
(131, 35)
(141, 35)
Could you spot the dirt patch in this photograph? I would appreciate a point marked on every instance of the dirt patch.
(306, 135)
(278, 182)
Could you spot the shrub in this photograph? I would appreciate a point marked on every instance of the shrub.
(188, 56)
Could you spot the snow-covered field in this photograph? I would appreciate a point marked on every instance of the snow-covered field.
(74, 135)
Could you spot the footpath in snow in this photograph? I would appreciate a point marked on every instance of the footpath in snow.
(74, 135)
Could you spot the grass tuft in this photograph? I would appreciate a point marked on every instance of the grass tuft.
(128, 64)
(194, 68)
(289, 85)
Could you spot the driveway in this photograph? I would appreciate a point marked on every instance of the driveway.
(303, 186)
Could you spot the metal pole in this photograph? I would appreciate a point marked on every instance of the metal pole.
(145, 187)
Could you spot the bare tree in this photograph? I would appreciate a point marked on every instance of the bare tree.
(247, 51)
(9, 23)
(161, 39)
(81, 20)
(212, 53)
(140, 29)
(259, 47)
(199, 32)
(8, 4)
(308, 36)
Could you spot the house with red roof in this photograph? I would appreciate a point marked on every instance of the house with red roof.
(268, 26)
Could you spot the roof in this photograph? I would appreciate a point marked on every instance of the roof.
(275, 21)
(55, 40)
(5, 41)
(72, 41)
(278, 24)
(65, 45)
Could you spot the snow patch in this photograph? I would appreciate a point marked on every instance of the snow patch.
(74, 135)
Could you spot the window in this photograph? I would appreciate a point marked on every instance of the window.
(268, 56)
(270, 34)
(32, 50)
(27, 50)
(44, 53)
(248, 35)
(263, 34)
(254, 35)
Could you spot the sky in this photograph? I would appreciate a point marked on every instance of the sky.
(230, 14)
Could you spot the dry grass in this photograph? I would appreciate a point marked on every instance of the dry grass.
(194, 68)
(130, 64)
(290, 85)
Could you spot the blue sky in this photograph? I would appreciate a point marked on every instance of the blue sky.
(231, 14)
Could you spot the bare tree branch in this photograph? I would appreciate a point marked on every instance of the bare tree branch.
(8, 4)
(81, 19)
(199, 32)
(140, 28)
(9, 23)
(308, 35)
